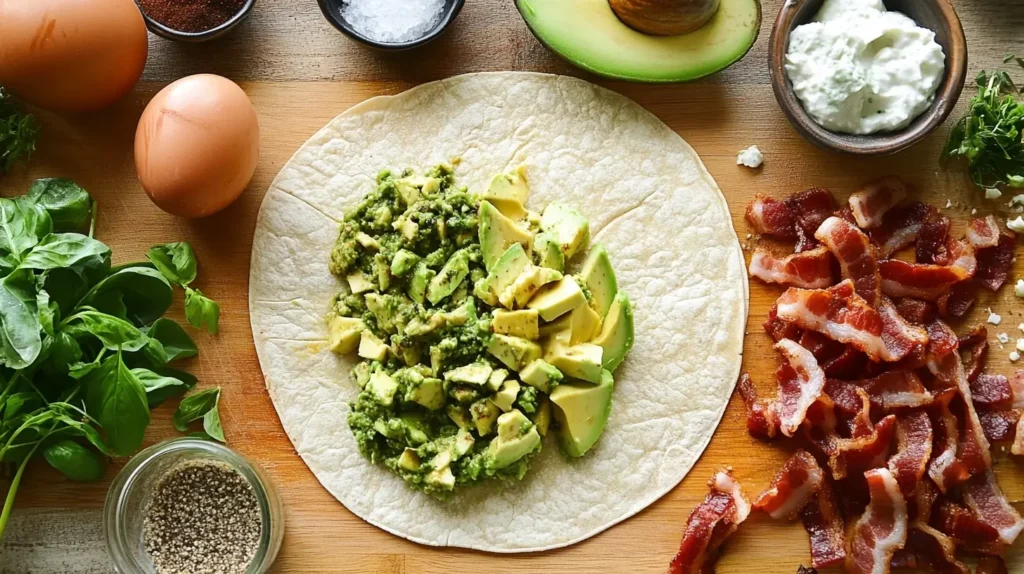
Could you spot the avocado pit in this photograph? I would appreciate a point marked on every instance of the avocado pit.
(664, 17)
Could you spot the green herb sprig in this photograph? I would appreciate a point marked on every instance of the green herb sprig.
(85, 351)
(18, 133)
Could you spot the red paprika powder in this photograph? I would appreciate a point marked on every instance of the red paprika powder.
(191, 15)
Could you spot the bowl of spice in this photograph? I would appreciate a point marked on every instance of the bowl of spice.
(391, 24)
(191, 505)
(193, 20)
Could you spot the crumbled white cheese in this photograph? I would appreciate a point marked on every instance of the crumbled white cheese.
(949, 204)
(1020, 344)
(1016, 225)
(1018, 290)
(993, 318)
(750, 157)
(993, 193)
(1014, 356)
(974, 212)
(1016, 200)
(1003, 338)
(749, 236)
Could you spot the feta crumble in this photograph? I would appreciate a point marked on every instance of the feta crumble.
(949, 204)
(993, 193)
(1018, 290)
(1020, 345)
(1016, 200)
(993, 318)
(1016, 225)
(1003, 338)
(1014, 356)
(974, 212)
(750, 157)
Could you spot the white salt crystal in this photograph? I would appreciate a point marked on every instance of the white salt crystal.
(392, 21)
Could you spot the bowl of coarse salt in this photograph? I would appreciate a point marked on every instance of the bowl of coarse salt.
(391, 24)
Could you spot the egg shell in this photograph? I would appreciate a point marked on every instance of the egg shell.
(197, 145)
(71, 55)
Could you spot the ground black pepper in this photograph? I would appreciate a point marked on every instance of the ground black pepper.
(191, 15)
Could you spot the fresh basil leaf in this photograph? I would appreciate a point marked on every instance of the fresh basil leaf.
(20, 327)
(60, 250)
(48, 311)
(175, 260)
(201, 310)
(177, 344)
(75, 461)
(22, 225)
(64, 349)
(115, 333)
(159, 387)
(145, 293)
(68, 286)
(211, 424)
(19, 403)
(85, 430)
(69, 206)
(111, 303)
(1015, 180)
(200, 405)
(115, 397)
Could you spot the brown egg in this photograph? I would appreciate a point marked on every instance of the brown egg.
(197, 145)
(71, 55)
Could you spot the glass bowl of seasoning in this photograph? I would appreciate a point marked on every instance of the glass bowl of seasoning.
(191, 505)
(193, 20)
(391, 24)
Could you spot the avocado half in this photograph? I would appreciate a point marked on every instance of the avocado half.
(589, 35)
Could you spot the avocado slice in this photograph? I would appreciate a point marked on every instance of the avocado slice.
(570, 228)
(582, 412)
(344, 334)
(514, 352)
(517, 437)
(617, 332)
(588, 34)
(370, 347)
(449, 278)
(557, 299)
(547, 252)
(485, 414)
(504, 398)
(403, 262)
(585, 325)
(523, 323)
(498, 233)
(542, 375)
(429, 393)
(527, 285)
(599, 277)
(508, 192)
(581, 361)
(505, 270)
(383, 388)
(475, 374)
(420, 282)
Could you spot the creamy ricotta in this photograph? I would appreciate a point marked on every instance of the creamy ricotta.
(860, 69)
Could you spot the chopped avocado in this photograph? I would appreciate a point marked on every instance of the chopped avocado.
(523, 323)
(485, 414)
(462, 393)
(409, 460)
(450, 277)
(344, 334)
(403, 262)
(543, 417)
(514, 352)
(508, 192)
(542, 375)
(599, 277)
(585, 325)
(506, 269)
(429, 393)
(381, 311)
(504, 398)
(441, 478)
(569, 227)
(581, 412)
(557, 331)
(558, 298)
(475, 374)
(372, 348)
(498, 233)
(527, 285)
(616, 337)
(482, 291)
(581, 361)
(497, 377)
(367, 241)
(547, 251)
(460, 416)
(590, 35)
(383, 268)
(517, 437)
(383, 388)
(464, 442)
(418, 284)
(359, 283)
(408, 228)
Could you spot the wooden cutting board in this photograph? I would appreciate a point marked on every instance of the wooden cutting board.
(300, 73)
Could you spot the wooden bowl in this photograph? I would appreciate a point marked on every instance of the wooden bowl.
(936, 15)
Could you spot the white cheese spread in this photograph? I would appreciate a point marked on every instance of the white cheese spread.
(750, 157)
(860, 69)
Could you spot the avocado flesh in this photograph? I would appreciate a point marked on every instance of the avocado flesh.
(616, 336)
(582, 412)
(591, 36)
(599, 277)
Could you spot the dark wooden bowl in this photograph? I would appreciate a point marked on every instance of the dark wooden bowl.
(332, 12)
(936, 15)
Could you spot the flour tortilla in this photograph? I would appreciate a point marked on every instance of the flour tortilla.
(649, 199)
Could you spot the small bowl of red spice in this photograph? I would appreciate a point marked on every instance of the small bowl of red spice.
(193, 20)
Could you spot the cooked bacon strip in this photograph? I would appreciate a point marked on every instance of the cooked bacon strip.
(994, 262)
(914, 449)
(991, 565)
(983, 232)
(778, 329)
(1018, 441)
(958, 300)
(1017, 389)
(931, 241)
(804, 241)
(930, 550)
(916, 311)
(799, 387)
(920, 506)
(710, 524)
(942, 342)
(811, 207)
(1000, 426)
(820, 346)
(845, 454)
(900, 228)
(881, 530)
(792, 488)
(896, 389)
(856, 256)
(918, 280)
(824, 522)
(983, 495)
(847, 365)
(974, 448)
(945, 469)
(845, 317)
(762, 416)
(992, 391)
(770, 217)
(976, 343)
(810, 269)
(966, 528)
(871, 202)
(854, 404)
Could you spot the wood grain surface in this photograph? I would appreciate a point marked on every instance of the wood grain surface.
(299, 73)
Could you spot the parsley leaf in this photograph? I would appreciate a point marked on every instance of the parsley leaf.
(18, 133)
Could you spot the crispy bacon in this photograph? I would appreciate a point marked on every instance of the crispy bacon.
(881, 530)
(1018, 441)
(821, 346)
(710, 524)
(896, 389)
(983, 232)
(966, 528)
(920, 506)
(930, 550)
(914, 449)
(810, 269)
(778, 329)
(983, 496)
(994, 262)
(762, 416)
(772, 218)
(992, 391)
(847, 364)
(991, 565)
(916, 311)
(1000, 426)
(811, 208)
(824, 522)
(843, 316)
(918, 280)
(871, 202)
(804, 241)
(945, 469)
(856, 256)
(900, 228)
(942, 342)
(799, 385)
(961, 256)
(792, 488)
(1017, 389)
(976, 343)
(974, 448)
(931, 241)
(853, 403)
(845, 454)
(958, 300)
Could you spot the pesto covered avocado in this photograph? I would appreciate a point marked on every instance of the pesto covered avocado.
(475, 341)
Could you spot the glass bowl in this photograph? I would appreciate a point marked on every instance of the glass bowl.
(130, 492)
